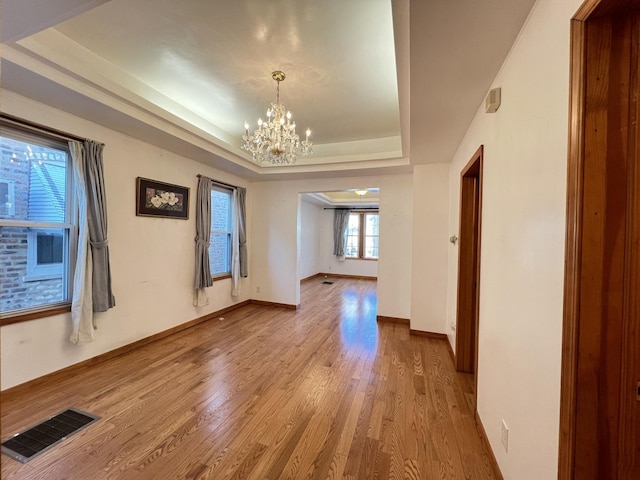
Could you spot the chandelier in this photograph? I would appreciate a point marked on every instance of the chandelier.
(276, 141)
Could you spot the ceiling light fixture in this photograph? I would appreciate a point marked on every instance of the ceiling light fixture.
(361, 193)
(275, 141)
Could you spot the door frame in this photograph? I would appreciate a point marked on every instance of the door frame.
(470, 228)
(571, 378)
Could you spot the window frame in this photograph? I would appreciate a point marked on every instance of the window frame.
(362, 214)
(68, 226)
(230, 233)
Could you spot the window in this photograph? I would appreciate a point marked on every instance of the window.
(45, 254)
(221, 231)
(37, 235)
(362, 235)
(7, 199)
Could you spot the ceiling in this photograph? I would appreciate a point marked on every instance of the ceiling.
(382, 84)
(345, 198)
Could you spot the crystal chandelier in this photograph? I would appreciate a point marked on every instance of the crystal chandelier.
(276, 141)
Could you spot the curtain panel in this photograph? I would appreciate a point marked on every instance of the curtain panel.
(92, 277)
(203, 238)
(242, 231)
(340, 224)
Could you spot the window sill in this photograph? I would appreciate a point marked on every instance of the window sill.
(39, 277)
(25, 317)
(221, 277)
(365, 259)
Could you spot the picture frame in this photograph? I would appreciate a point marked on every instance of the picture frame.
(160, 199)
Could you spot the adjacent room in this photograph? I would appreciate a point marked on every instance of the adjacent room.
(347, 240)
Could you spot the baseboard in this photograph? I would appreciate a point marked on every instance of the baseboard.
(422, 333)
(485, 440)
(453, 355)
(90, 362)
(402, 321)
(341, 275)
(311, 277)
(264, 303)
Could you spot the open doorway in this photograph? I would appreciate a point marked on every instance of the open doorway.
(467, 320)
(316, 218)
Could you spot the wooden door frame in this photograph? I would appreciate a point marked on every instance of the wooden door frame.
(467, 329)
(570, 377)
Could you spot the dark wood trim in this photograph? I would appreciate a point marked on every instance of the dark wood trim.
(485, 440)
(586, 10)
(597, 433)
(34, 315)
(21, 123)
(221, 277)
(469, 250)
(356, 277)
(265, 303)
(575, 167)
(383, 318)
(72, 369)
(434, 335)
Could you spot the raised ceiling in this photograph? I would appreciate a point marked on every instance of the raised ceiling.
(382, 84)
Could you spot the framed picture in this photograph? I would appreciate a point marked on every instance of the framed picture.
(159, 199)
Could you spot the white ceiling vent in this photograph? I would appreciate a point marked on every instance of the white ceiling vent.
(492, 102)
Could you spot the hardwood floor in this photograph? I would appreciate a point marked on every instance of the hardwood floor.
(320, 393)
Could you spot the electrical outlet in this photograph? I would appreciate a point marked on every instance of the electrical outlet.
(504, 436)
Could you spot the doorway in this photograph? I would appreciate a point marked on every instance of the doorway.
(467, 317)
(600, 392)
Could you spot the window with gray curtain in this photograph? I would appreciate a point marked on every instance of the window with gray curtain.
(221, 240)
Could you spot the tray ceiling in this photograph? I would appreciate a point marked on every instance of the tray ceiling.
(197, 69)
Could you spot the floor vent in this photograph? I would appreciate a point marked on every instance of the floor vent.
(29, 444)
(326, 282)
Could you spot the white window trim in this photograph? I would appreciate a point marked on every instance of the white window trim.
(229, 233)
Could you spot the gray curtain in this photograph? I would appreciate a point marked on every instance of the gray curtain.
(203, 238)
(340, 224)
(103, 298)
(242, 231)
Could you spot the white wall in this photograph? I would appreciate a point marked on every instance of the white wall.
(430, 245)
(152, 258)
(522, 253)
(330, 263)
(310, 239)
(275, 239)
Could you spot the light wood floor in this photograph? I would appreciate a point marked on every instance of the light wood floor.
(319, 393)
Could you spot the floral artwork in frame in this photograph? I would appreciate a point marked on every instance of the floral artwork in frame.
(159, 199)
